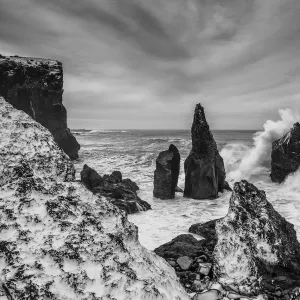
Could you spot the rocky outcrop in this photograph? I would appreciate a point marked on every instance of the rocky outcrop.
(166, 173)
(256, 248)
(286, 155)
(121, 192)
(204, 167)
(36, 87)
(58, 240)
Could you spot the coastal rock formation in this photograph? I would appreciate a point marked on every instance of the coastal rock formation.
(58, 240)
(166, 173)
(36, 87)
(286, 155)
(121, 192)
(204, 167)
(256, 246)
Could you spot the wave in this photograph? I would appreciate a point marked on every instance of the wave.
(243, 162)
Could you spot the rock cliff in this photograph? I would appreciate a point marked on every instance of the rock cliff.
(36, 87)
(286, 155)
(204, 167)
(256, 247)
(166, 173)
(58, 241)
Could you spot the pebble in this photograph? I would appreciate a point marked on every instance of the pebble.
(184, 262)
(204, 268)
(172, 263)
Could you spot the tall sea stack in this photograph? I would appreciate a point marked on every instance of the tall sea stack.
(36, 87)
(204, 167)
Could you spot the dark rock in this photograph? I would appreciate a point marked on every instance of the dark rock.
(90, 178)
(182, 245)
(255, 243)
(123, 193)
(166, 173)
(178, 190)
(204, 167)
(36, 87)
(286, 155)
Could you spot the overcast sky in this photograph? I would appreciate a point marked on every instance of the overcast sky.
(146, 63)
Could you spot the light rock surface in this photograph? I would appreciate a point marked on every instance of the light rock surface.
(57, 240)
(255, 243)
(35, 85)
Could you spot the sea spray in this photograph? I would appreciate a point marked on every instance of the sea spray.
(256, 160)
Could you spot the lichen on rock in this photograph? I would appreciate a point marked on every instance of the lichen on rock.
(58, 241)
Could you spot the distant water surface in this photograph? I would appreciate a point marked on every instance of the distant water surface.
(134, 152)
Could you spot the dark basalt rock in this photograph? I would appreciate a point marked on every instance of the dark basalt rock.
(204, 167)
(36, 87)
(206, 230)
(166, 173)
(286, 155)
(184, 245)
(256, 245)
(121, 192)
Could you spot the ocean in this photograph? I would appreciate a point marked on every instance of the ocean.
(246, 155)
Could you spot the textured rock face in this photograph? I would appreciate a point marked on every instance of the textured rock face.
(121, 192)
(36, 87)
(204, 167)
(255, 241)
(57, 240)
(166, 173)
(286, 155)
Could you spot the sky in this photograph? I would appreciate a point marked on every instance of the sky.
(144, 64)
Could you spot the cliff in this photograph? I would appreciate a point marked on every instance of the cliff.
(58, 240)
(36, 87)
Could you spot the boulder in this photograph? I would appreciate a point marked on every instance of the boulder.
(57, 239)
(36, 87)
(166, 173)
(121, 192)
(256, 246)
(184, 262)
(285, 158)
(204, 167)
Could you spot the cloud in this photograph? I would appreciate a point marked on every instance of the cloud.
(156, 59)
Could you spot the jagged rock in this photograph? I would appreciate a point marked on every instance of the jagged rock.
(166, 173)
(182, 245)
(255, 241)
(90, 178)
(204, 167)
(286, 155)
(36, 87)
(122, 192)
(58, 240)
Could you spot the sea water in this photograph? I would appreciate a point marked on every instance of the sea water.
(246, 155)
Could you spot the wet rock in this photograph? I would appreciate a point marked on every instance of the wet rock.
(184, 262)
(255, 243)
(209, 295)
(36, 87)
(286, 155)
(166, 173)
(178, 190)
(182, 245)
(206, 230)
(204, 167)
(123, 193)
(205, 268)
(57, 239)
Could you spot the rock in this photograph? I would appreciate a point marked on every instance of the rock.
(57, 239)
(166, 173)
(206, 230)
(123, 193)
(90, 178)
(205, 268)
(178, 190)
(172, 263)
(204, 167)
(286, 155)
(210, 295)
(36, 87)
(184, 262)
(255, 243)
(182, 245)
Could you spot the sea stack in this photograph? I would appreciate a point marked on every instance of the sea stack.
(204, 167)
(35, 86)
(286, 155)
(256, 247)
(166, 173)
(57, 239)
